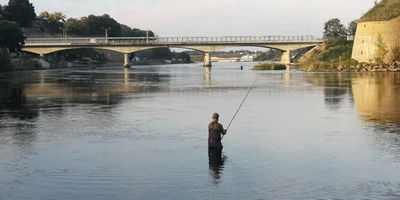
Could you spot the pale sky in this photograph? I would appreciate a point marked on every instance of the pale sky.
(215, 17)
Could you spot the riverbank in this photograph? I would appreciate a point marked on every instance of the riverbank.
(361, 67)
(335, 56)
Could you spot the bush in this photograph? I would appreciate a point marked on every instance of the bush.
(5, 61)
(335, 55)
(269, 66)
(26, 63)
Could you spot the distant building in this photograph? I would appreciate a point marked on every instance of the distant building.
(135, 59)
(248, 58)
(218, 59)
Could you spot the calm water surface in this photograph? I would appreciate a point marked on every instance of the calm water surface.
(110, 133)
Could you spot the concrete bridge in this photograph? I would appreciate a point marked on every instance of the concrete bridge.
(127, 45)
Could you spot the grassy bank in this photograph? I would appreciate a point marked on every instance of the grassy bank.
(269, 66)
(335, 56)
(385, 10)
(332, 55)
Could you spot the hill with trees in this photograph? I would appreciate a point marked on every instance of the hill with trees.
(335, 53)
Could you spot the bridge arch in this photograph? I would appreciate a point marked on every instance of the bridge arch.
(125, 50)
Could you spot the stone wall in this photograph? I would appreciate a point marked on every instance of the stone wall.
(366, 37)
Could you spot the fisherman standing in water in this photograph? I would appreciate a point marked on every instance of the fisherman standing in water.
(215, 131)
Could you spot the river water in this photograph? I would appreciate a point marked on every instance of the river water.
(141, 133)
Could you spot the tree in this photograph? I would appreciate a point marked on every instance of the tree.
(161, 53)
(182, 55)
(20, 11)
(270, 55)
(333, 29)
(381, 50)
(76, 26)
(11, 36)
(51, 22)
(1, 12)
(126, 31)
(396, 52)
(94, 26)
(351, 30)
(5, 60)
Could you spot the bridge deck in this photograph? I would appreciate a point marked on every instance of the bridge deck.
(171, 40)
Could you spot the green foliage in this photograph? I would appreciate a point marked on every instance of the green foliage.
(77, 54)
(1, 12)
(385, 10)
(11, 35)
(161, 53)
(5, 61)
(381, 50)
(396, 52)
(126, 31)
(269, 66)
(26, 63)
(334, 29)
(182, 55)
(20, 11)
(335, 42)
(51, 22)
(270, 55)
(94, 26)
(331, 55)
(351, 30)
(335, 53)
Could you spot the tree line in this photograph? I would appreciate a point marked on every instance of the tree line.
(18, 18)
(19, 15)
(92, 25)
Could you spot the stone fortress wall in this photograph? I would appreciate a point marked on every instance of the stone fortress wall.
(367, 35)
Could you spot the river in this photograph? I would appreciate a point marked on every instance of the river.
(141, 133)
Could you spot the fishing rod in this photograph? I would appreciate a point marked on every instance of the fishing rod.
(242, 104)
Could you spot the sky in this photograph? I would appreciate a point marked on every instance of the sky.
(178, 18)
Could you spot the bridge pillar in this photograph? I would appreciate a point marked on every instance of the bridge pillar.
(207, 60)
(286, 57)
(126, 60)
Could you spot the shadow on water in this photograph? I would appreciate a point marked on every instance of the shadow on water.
(216, 162)
(13, 99)
(15, 104)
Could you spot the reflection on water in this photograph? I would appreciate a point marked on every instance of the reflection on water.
(13, 98)
(207, 76)
(216, 163)
(336, 86)
(113, 133)
(377, 97)
(126, 75)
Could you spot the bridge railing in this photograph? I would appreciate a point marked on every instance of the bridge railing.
(161, 40)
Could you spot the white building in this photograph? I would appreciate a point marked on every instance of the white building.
(248, 58)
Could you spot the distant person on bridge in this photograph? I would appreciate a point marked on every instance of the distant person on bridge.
(241, 67)
(215, 131)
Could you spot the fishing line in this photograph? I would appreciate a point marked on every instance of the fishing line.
(242, 102)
